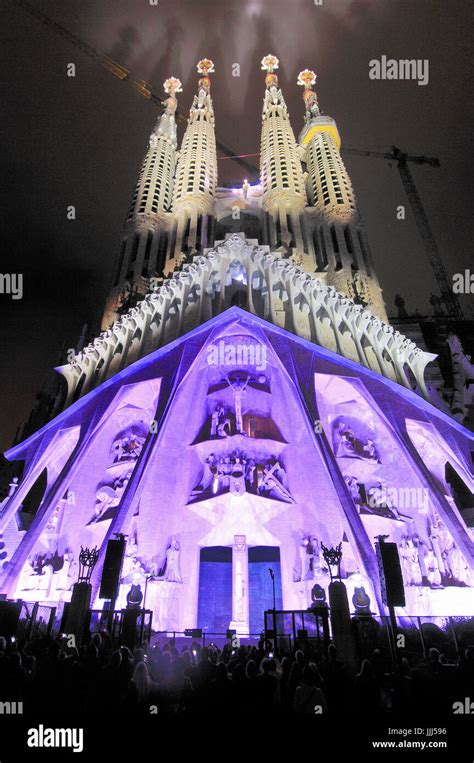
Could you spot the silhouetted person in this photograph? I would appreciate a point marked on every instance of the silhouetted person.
(308, 697)
(335, 680)
(269, 686)
(368, 689)
(285, 696)
(143, 691)
(221, 692)
(465, 673)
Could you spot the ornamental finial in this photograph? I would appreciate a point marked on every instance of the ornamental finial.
(269, 64)
(205, 67)
(172, 86)
(307, 78)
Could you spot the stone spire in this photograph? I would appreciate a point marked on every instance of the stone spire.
(282, 180)
(145, 234)
(307, 78)
(166, 124)
(196, 174)
(337, 232)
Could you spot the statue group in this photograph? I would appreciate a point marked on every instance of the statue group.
(312, 562)
(373, 499)
(48, 572)
(348, 445)
(238, 474)
(436, 562)
(167, 570)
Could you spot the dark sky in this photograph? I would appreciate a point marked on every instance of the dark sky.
(80, 141)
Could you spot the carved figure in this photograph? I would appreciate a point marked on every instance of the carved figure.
(238, 386)
(172, 573)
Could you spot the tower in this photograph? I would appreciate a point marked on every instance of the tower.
(196, 175)
(335, 224)
(284, 197)
(145, 234)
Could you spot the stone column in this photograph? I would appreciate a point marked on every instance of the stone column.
(240, 586)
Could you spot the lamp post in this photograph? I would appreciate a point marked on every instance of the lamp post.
(342, 634)
(78, 611)
(333, 557)
(87, 561)
(272, 575)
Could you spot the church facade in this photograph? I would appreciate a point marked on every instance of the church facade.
(247, 402)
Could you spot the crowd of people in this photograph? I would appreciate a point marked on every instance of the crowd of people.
(48, 674)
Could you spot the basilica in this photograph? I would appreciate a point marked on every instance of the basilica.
(247, 402)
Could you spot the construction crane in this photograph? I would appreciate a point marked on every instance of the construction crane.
(402, 159)
(122, 73)
(393, 155)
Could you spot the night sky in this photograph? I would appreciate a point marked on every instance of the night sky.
(81, 140)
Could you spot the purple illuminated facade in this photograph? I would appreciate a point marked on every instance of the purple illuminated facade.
(225, 441)
(270, 477)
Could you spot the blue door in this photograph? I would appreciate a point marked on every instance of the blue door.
(215, 589)
(261, 559)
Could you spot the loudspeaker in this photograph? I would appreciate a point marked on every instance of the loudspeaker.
(9, 617)
(391, 579)
(109, 583)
